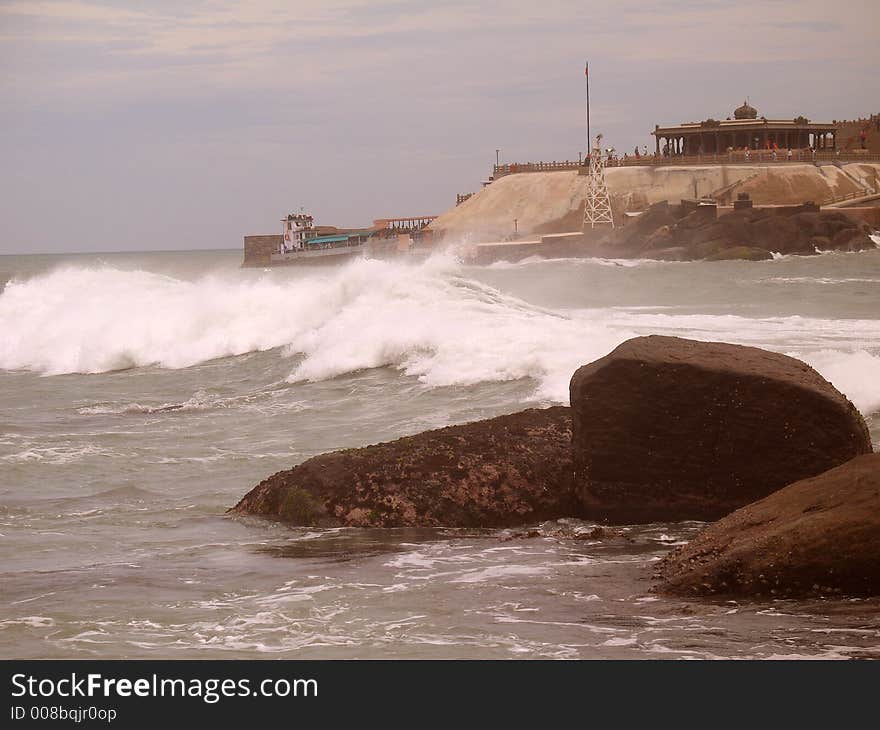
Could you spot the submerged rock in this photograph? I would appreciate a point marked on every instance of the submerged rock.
(666, 428)
(500, 472)
(816, 536)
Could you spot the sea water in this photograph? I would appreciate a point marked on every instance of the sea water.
(142, 395)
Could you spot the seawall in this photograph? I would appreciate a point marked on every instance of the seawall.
(258, 249)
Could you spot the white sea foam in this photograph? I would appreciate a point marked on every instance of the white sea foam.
(820, 280)
(200, 401)
(496, 572)
(447, 330)
(63, 454)
(263, 401)
(34, 622)
(857, 374)
(428, 321)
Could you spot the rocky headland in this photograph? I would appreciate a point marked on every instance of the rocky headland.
(553, 202)
(680, 233)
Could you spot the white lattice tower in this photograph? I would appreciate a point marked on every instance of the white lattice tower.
(597, 210)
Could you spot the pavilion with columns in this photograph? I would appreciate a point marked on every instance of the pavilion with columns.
(745, 131)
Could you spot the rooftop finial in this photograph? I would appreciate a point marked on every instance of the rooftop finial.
(746, 111)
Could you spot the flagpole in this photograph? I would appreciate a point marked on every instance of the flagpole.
(587, 76)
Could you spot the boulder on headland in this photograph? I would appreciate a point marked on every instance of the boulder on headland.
(500, 472)
(818, 536)
(665, 428)
(850, 239)
(651, 230)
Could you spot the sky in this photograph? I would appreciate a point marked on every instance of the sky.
(142, 125)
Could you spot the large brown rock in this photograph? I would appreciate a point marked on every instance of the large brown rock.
(499, 472)
(666, 428)
(817, 536)
(631, 239)
(654, 218)
(779, 233)
(851, 239)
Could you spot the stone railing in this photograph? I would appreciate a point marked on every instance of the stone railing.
(461, 197)
(515, 167)
(848, 196)
(728, 158)
(860, 120)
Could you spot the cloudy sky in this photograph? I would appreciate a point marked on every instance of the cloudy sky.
(162, 124)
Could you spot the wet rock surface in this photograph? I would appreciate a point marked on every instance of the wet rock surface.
(818, 536)
(666, 428)
(499, 472)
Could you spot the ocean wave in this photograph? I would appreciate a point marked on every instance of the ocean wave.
(857, 374)
(94, 320)
(451, 331)
(429, 321)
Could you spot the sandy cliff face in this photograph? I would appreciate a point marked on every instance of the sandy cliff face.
(533, 199)
(552, 202)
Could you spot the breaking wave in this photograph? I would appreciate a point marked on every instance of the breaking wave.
(428, 321)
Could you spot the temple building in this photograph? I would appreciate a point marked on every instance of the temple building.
(745, 131)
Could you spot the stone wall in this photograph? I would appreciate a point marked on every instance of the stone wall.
(868, 213)
(258, 249)
(849, 133)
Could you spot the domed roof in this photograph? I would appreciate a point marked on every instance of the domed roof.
(745, 112)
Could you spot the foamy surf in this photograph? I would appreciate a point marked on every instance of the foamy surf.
(432, 321)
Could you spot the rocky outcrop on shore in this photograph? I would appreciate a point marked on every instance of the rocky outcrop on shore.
(671, 232)
(665, 428)
(819, 536)
(500, 472)
(662, 428)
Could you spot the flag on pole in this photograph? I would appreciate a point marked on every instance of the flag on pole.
(586, 69)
